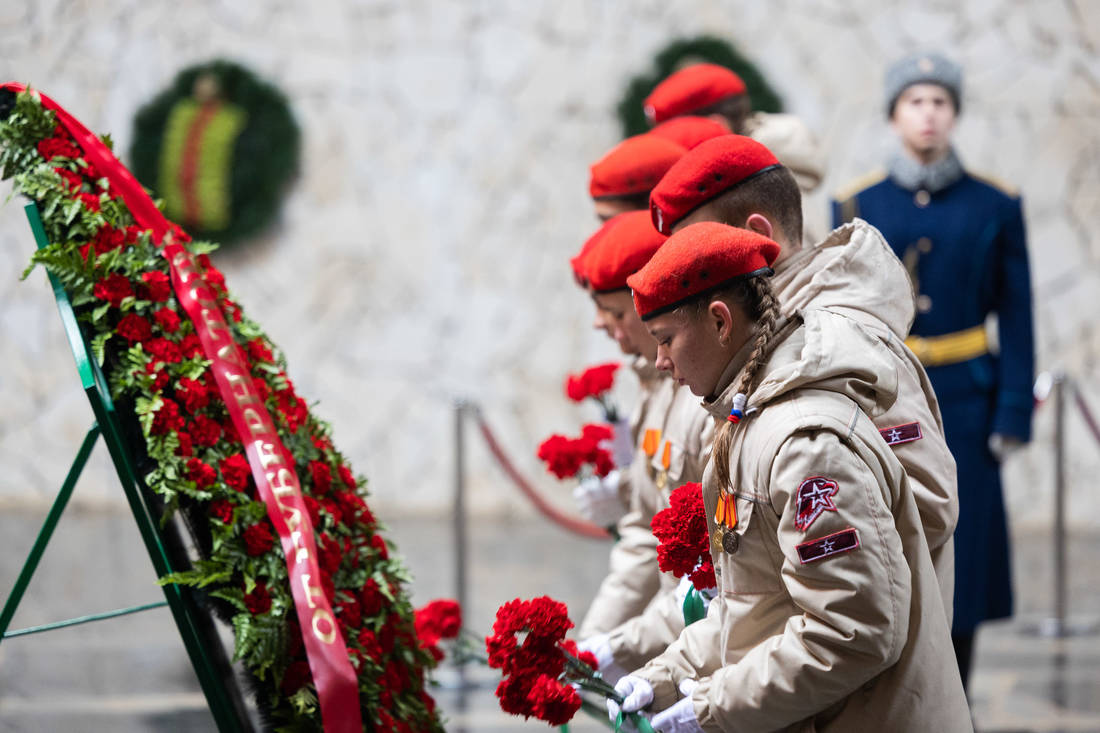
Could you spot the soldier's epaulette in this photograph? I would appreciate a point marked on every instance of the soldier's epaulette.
(867, 180)
(1003, 186)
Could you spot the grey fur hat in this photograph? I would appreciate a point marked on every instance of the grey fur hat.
(923, 68)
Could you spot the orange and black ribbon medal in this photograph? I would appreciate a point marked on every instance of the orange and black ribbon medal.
(651, 441)
(725, 519)
(666, 461)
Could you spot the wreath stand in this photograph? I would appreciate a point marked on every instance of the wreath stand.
(165, 545)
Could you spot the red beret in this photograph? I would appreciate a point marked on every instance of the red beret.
(696, 259)
(711, 168)
(691, 89)
(689, 131)
(633, 166)
(627, 242)
(577, 261)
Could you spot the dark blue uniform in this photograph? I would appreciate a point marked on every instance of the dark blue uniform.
(965, 249)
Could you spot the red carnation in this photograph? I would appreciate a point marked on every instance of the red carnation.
(552, 701)
(347, 477)
(321, 475)
(158, 284)
(167, 319)
(349, 613)
(160, 376)
(261, 388)
(194, 394)
(236, 472)
(371, 648)
(380, 544)
(108, 239)
(114, 289)
(215, 279)
(259, 600)
(201, 473)
(371, 598)
(70, 180)
(296, 676)
(91, 201)
(190, 346)
(259, 351)
(329, 554)
(222, 510)
(52, 147)
(313, 508)
(592, 382)
(186, 444)
(588, 658)
(205, 431)
(167, 419)
(565, 457)
(257, 539)
(163, 350)
(134, 328)
(682, 537)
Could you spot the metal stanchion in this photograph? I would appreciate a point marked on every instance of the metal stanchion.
(460, 538)
(1055, 384)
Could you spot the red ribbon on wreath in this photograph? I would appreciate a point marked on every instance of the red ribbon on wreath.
(271, 464)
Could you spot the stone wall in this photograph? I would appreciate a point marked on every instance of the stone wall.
(421, 254)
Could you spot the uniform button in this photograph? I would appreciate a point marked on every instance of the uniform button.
(922, 198)
(924, 303)
(924, 245)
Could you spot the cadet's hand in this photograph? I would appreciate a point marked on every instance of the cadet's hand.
(598, 499)
(598, 645)
(680, 718)
(1002, 446)
(636, 692)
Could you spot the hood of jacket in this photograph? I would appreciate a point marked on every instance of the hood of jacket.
(815, 349)
(853, 271)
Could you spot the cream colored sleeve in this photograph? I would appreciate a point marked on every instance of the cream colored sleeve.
(695, 654)
(644, 637)
(855, 604)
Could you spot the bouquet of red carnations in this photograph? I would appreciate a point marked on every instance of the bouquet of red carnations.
(566, 457)
(543, 670)
(595, 382)
(683, 547)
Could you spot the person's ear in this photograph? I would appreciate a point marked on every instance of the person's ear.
(760, 224)
(721, 321)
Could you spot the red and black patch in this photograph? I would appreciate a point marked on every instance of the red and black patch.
(845, 540)
(814, 496)
(899, 434)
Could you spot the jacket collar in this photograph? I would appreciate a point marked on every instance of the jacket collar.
(913, 176)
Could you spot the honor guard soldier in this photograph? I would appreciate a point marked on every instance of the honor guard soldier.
(735, 180)
(828, 616)
(715, 92)
(961, 237)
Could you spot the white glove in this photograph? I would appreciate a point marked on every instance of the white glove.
(636, 692)
(598, 499)
(622, 445)
(1002, 446)
(680, 718)
(598, 645)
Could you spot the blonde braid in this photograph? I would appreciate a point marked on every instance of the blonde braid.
(763, 306)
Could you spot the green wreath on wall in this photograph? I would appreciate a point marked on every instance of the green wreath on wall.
(219, 146)
(692, 51)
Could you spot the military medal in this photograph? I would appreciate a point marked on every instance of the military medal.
(725, 519)
(651, 441)
(666, 461)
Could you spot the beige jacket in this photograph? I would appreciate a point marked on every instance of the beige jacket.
(688, 432)
(854, 272)
(633, 577)
(826, 620)
(793, 143)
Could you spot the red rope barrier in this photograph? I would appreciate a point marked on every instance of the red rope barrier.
(1086, 414)
(577, 526)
